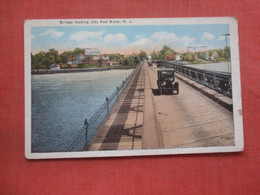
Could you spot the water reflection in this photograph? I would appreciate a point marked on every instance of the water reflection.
(61, 102)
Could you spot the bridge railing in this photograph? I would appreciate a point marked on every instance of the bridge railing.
(219, 81)
(88, 131)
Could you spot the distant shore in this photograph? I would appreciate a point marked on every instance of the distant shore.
(72, 70)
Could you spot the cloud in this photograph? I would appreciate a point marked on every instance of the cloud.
(187, 40)
(118, 39)
(164, 37)
(221, 38)
(53, 33)
(142, 42)
(158, 39)
(170, 39)
(86, 35)
(140, 36)
(208, 36)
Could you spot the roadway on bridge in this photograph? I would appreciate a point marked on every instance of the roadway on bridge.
(189, 119)
(143, 119)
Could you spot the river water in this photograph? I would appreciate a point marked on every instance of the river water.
(222, 66)
(61, 103)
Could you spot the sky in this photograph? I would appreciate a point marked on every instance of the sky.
(129, 39)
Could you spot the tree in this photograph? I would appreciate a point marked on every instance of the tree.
(227, 52)
(78, 51)
(221, 53)
(204, 55)
(113, 57)
(87, 59)
(58, 60)
(128, 61)
(155, 56)
(167, 53)
(137, 59)
(188, 56)
(121, 59)
(40, 60)
(46, 62)
(54, 53)
(64, 57)
(34, 61)
(51, 60)
(142, 55)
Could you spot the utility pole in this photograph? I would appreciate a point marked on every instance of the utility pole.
(226, 35)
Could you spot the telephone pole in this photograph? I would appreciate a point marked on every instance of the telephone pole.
(226, 35)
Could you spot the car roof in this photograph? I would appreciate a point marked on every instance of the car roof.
(165, 70)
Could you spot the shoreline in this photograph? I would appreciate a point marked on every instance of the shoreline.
(75, 70)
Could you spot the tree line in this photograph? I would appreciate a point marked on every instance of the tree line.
(215, 55)
(166, 53)
(45, 60)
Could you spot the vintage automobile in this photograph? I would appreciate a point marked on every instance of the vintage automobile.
(166, 81)
(159, 63)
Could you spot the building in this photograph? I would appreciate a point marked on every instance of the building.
(214, 56)
(101, 60)
(177, 56)
(79, 59)
(92, 51)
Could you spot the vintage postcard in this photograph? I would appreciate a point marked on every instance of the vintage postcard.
(131, 87)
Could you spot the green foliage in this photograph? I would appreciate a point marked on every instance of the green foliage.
(137, 59)
(219, 59)
(34, 61)
(129, 62)
(44, 60)
(52, 52)
(58, 60)
(166, 53)
(188, 57)
(222, 55)
(87, 59)
(78, 51)
(198, 61)
(65, 56)
(121, 59)
(227, 52)
(210, 52)
(155, 56)
(91, 65)
(204, 55)
(142, 55)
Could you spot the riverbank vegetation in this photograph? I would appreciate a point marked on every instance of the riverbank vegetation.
(78, 59)
(196, 57)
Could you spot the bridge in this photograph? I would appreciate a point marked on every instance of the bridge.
(143, 119)
(136, 116)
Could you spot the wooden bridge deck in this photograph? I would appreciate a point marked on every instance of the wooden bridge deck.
(124, 127)
(143, 119)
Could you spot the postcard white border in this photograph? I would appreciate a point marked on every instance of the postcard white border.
(236, 87)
